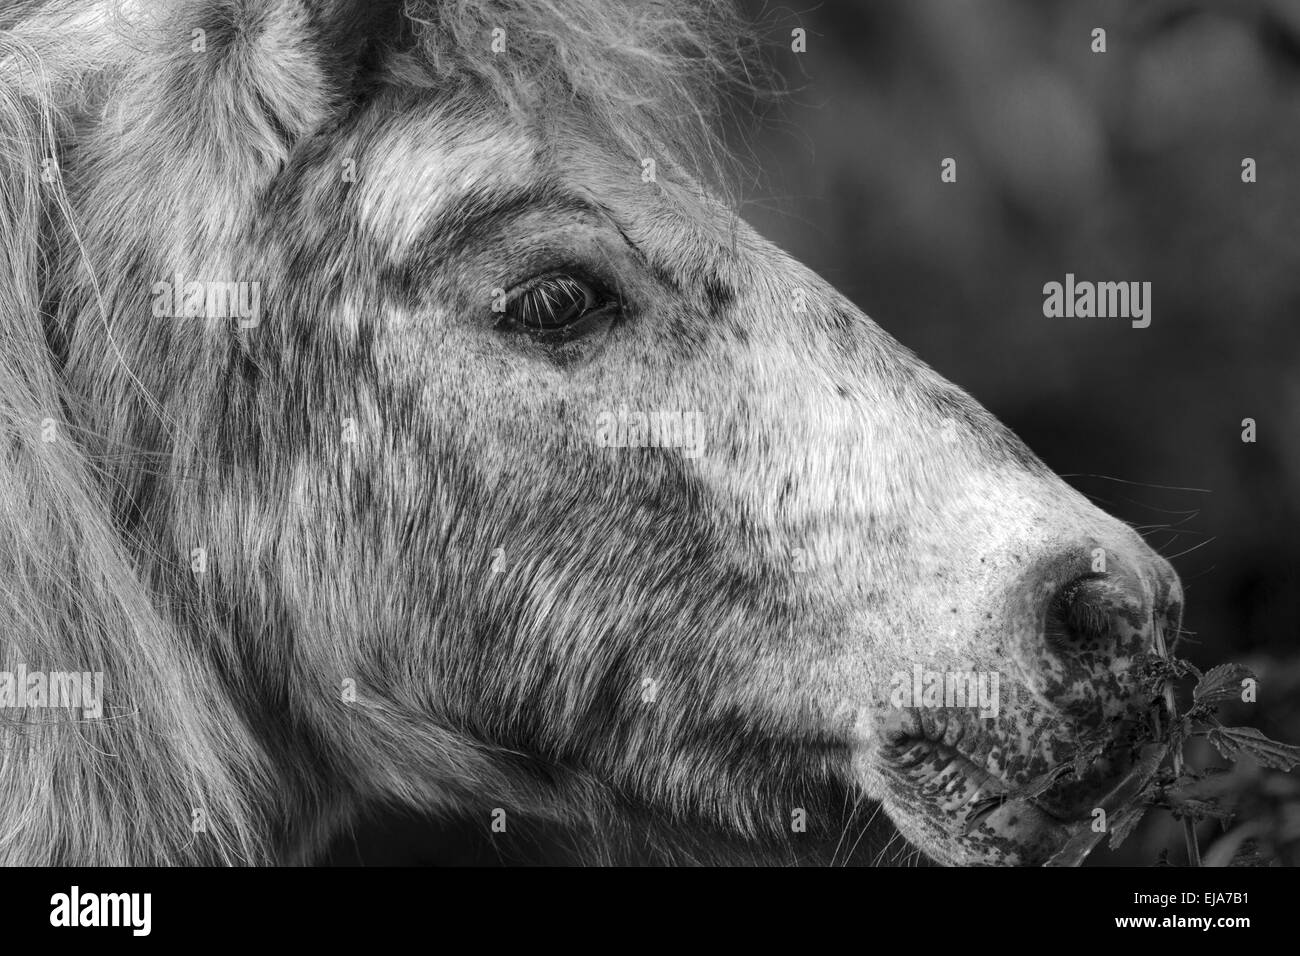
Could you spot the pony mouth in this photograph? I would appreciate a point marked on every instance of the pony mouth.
(994, 820)
(933, 765)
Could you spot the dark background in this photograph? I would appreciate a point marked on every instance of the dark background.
(1124, 165)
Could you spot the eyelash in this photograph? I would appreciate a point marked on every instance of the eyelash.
(560, 306)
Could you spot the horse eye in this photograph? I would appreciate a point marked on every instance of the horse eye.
(560, 303)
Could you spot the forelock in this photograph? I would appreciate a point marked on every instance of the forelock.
(655, 74)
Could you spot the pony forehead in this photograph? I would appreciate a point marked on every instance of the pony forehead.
(423, 161)
(431, 163)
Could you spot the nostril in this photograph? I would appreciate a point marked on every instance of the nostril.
(1076, 613)
(1087, 614)
(1094, 628)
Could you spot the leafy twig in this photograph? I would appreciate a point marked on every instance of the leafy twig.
(1191, 795)
(1176, 745)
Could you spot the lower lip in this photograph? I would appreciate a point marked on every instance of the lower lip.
(1011, 813)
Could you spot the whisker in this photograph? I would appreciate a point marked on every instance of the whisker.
(1139, 484)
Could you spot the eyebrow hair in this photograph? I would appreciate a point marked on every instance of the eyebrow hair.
(477, 214)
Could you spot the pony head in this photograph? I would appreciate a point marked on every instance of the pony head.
(394, 415)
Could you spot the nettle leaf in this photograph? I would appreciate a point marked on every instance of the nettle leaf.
(1232, 742)
(1129, 794)
(1041, 784)
(1122, 828)
(1196, 809)
(1221, 684)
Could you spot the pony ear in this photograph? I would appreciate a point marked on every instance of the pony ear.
(353, 36)
(290, 65)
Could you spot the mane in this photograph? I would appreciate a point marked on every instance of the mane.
(658, 75)
(124, 787)
(82, 591)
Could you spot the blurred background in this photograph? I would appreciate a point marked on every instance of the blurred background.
(1124, 165)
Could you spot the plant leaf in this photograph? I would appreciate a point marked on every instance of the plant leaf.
(1232, 742)
(1221, 684)
(1128, 791)
(1128, 820)
(1197, 809)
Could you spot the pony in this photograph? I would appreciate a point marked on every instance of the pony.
(397, 414)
